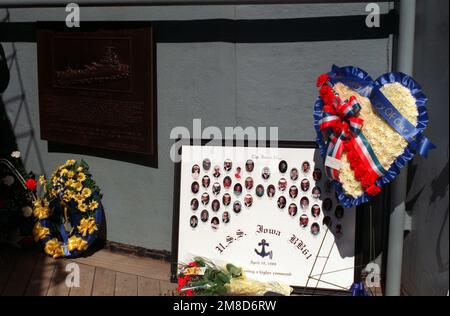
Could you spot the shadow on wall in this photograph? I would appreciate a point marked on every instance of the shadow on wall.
(18, 105)
(439, 190)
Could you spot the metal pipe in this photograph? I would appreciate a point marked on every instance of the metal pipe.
(405, 62)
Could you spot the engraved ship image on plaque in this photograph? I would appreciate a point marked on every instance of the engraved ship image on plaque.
(108, 68)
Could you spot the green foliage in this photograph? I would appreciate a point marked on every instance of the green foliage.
(234, 271)
(214, 279)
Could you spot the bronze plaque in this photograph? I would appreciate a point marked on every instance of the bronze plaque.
(96, 87)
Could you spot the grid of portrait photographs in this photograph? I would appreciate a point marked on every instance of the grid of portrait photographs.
(225, 188)
(235, 199)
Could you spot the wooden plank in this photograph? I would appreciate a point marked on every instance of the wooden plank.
(126, 284)
(58, 285)
(21, 274)
(104, 282)
(86, 281)
(167, 288)
(148, 287)
(8, 260)
(146, 267)
(41, 277)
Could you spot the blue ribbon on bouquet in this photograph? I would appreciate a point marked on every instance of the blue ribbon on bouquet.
(359, 81)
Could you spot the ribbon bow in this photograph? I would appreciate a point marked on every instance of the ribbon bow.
(87, 226)
(40, 232)
(54, 248)
(76, 243)
(340, 122)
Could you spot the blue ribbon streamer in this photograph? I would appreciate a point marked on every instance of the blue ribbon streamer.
(358, 289)
(366, 86)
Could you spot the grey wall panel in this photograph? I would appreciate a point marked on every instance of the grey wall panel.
(276, 82)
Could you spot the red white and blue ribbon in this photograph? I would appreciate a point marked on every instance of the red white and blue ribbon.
(341, 123)
(371, 89)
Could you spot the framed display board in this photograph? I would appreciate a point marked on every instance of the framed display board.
(97, 89)
(271, 211)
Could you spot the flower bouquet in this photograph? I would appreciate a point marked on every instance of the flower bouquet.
(368, 129)
(17, 194)
(203, 277)
(69, 214)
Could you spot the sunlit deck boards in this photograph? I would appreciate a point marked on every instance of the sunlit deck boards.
(29, 272)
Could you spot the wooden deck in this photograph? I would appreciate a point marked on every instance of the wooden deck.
(30, 272)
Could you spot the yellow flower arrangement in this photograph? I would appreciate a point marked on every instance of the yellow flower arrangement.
(70, 189)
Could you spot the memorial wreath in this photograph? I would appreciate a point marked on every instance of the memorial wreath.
(70, 212)
(368, 129)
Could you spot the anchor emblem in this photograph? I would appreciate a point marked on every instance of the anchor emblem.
(263, 252)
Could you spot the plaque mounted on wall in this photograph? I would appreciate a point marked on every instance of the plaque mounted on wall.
(97, 91)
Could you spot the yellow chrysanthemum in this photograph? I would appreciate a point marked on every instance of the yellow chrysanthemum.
(93, 205)
(70, 174)
(42, 180)
(81, 177)
(70, 193)
(64, 172)
(86, 193)
(54, 248)
(40, 232)
(87, 225)
(80, 169)
(82, 207)
(78, 198)
(69, 182)
(70, 162)
(76, 243)
(77, 186)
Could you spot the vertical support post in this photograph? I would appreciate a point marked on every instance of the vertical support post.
(405, 62)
